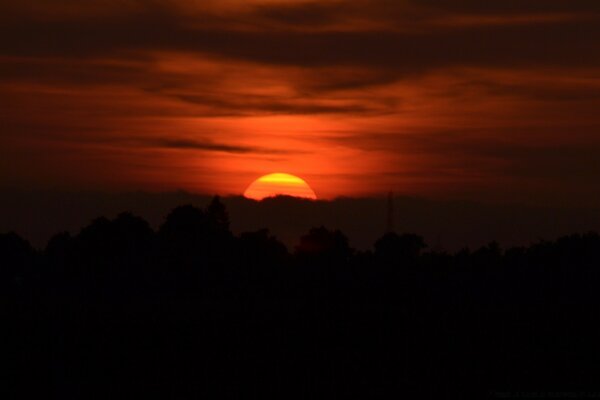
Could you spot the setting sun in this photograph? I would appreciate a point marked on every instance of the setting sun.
(278, 184)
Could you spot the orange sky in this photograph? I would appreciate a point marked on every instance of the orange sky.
(435, 98)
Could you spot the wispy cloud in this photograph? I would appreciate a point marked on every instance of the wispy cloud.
(374, 94)
(188, 144)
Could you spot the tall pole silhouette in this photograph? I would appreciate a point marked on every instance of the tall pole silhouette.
(390, 213)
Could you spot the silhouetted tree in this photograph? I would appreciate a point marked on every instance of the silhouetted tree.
(192, 311)
(185, 227)
(262, 249)
(217, 214)
(321, 244)
(395, 249)
(59, 254)
(16, 257)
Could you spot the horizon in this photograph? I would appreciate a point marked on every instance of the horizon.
(446, 224)
(5, 191)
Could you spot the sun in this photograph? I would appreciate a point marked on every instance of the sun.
(278, 184)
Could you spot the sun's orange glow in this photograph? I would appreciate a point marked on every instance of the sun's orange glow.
(279, 184)
(222, 100)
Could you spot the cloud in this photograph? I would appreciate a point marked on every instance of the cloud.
(359, 95)
(249, 105)
(161, 26)
(188, 144)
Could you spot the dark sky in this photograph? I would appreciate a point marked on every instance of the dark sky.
(495, 101)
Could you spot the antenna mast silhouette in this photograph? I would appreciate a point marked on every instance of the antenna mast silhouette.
(390, 213)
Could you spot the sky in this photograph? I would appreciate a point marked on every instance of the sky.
(495, 101)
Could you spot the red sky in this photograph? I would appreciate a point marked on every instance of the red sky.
(438, 98)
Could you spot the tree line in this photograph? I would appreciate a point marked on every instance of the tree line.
(120, 310)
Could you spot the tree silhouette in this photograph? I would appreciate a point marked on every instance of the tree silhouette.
(194, 311)
(217, 215)
(262, 249)
(395, 249)
(16, 255)
(323, 244)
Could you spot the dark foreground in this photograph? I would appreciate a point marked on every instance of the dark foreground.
(190, 311)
